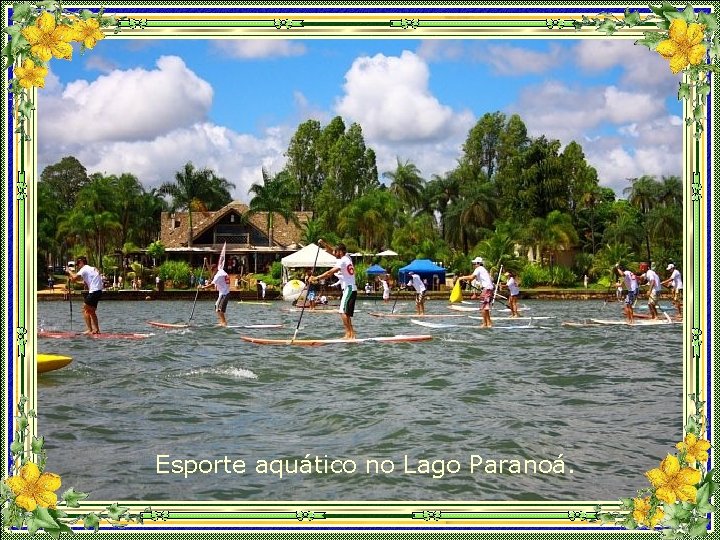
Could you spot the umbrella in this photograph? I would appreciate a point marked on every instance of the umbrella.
(387, 253)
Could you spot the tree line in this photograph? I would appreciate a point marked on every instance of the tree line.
(510, 198)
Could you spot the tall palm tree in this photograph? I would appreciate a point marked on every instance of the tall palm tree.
(406, 184)
(371, 218)
(644, 193)
(187, 191)
(273, 196)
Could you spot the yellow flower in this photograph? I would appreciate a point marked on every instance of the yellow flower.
(33, 489)
(672, 482)
(641, 511)
(30, 75)
(684, 45)
(696, 450)
(48, 39)
(87, 32)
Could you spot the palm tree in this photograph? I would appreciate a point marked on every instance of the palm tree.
(187, 191)
(371, 218)
(644, 193)
(407, 184)
(273, 196)
(560, 231)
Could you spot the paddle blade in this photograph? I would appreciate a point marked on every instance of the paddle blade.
(456, 294)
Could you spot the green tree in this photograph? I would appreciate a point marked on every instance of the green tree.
(406, 184)
(370, 219)
(195, 190)
(273, 196)
(64, 180)
(643, 194)
(304, 163)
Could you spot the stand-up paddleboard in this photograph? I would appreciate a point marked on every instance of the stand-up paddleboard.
(621, 322)
(254, 302)
(316, 342)
(51, 362)
(513, 318)
(171, 326)
(477, 307)
(427, 324)
(159, 324)
(81, 335)
(443, 315)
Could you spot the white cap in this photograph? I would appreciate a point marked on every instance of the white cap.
(670, 266)
(477, 260)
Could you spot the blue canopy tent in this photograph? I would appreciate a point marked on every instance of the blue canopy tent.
(375, 270)
(427, 270)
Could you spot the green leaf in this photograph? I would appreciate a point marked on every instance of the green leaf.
(709, 21)
(689, 14)
(92, 521)
(21, 11)
(704, 89)
(13, 30)
(699, 112)
(37, 444)
(16, 447)
(632, 18)
(705, 507)
(684, 91)
(116, 512)
(71, 497)
(670, 16)
(651, 39)
(42, 518)
(48, 5)
(699, 528)
(608, 27)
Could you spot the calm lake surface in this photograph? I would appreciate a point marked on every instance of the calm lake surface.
(608, 399)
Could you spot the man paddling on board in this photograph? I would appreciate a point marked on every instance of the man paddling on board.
(346, 276)
(222, 283)
(93, 280)
(631, 285)
(482, 276)
(420, 292)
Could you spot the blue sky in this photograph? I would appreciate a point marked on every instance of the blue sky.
(149, 106)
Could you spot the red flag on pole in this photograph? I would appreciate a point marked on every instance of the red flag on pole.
(221, 260)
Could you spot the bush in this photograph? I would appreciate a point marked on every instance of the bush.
(176, 271)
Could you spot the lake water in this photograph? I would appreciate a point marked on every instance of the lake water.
(608, 399)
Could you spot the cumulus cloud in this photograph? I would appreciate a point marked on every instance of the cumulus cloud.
(641, 67)
(99, 63)
(624, 133)
(259, 48)
(132, 104)
(390, 98)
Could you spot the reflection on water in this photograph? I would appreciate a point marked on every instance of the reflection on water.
(608, 399)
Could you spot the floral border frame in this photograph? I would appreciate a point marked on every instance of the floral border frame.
(18, 374)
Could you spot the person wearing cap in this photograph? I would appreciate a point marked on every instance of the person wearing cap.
(384, 281)
(675, 280)
(93, 281)
(631, 286)
(652, 280)
(346, 270)
(514, 290)
(482, 276)
(420, 292)
(221, 280)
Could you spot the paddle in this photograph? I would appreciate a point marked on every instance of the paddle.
(497, 286)
(307, 287)
(397, 295)
(197, 291)
(69, 288)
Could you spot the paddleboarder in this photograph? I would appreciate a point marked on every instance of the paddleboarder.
(420, 292)
(652, 280)
(221, 280)
(93, 281)
(631, 286)
(482, 276)
(384, 281)
(514, 290)
(346, 276)
(675, 280)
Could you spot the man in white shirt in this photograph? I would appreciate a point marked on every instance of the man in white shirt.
(631, 286)
(221, 280)
(675, 280)
(417, 284)
(346, 269)
(482, 276)
(93, 281)
(652, 280)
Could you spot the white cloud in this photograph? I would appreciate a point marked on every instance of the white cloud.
(389, 97)
(259, 48)
(100, 63)
(434, 50)
(509, 60)
(133, 104)
(642, 68)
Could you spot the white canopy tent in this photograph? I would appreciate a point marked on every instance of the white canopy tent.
(308, 257)
(387, 253)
